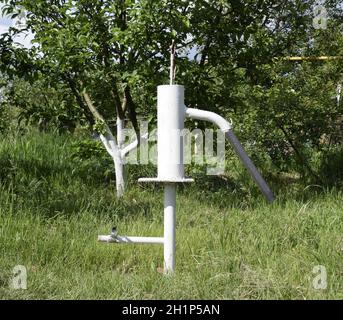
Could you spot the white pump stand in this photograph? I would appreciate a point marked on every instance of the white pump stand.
(171, 113)
(170, 169)
(170, 165)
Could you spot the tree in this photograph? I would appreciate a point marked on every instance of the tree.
(112, 54)
(279, 107)
(102, 50)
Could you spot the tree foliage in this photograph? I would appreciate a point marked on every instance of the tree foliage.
(118, 52)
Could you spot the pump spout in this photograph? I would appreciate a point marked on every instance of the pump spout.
(226, 127)
(249, 165)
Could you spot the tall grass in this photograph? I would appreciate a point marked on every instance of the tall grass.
(230, 243)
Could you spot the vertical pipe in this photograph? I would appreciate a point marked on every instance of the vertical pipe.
(169, 228)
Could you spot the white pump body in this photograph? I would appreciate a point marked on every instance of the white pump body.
(171, 114)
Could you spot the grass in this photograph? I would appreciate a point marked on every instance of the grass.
(230, 243)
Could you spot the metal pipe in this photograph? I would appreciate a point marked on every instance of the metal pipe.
(128, 240)
(226, 127)
(223, 124)
(169, 227)
(250, 166)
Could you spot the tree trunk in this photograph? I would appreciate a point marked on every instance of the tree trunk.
(115, 147)
(111, 146)
(120, 135)
(119, 164)
(120, 181)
